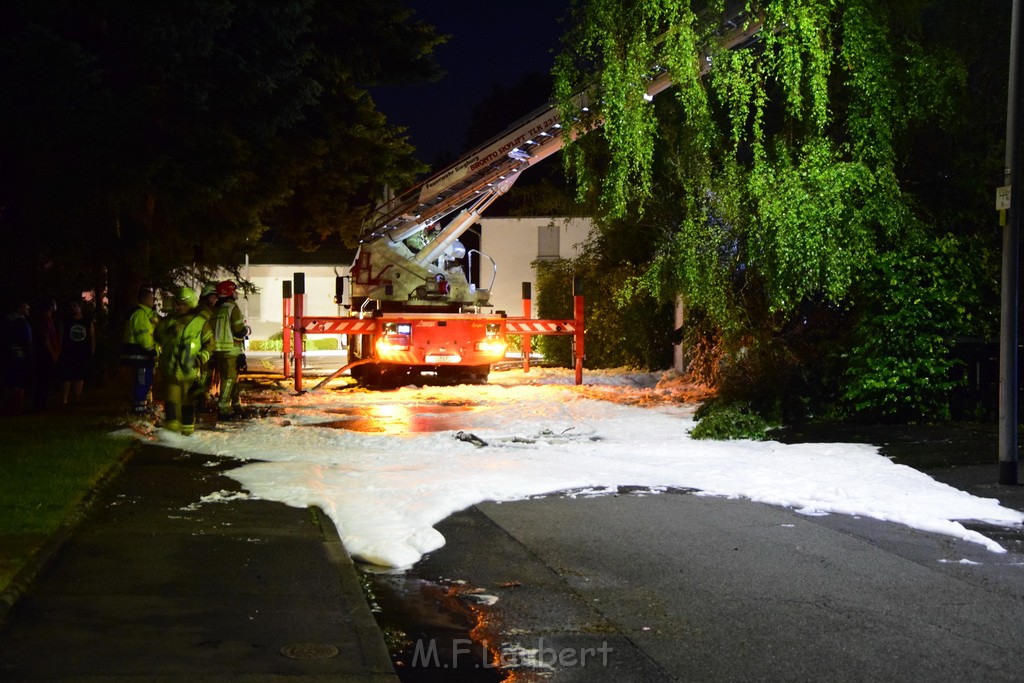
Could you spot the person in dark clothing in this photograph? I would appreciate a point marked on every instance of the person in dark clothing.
(46, 352)
(15, 359)
(77, 350)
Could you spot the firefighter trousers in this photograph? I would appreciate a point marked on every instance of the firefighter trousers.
(227, 369)
(179, 409)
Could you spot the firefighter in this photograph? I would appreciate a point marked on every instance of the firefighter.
(207, 305)
(187, 344)
(138, 350)
(166, 329)
(229, 334)
(208, 298)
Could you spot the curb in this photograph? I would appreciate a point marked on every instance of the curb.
(371, 638)
(44, 555)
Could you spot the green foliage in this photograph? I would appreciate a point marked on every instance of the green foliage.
(626, 327)
(809, 235)
(919, 300)
(630, 328)
(275, 343)
(615, 43)
(514, 343)
(778, 176)
(723, 421)
(322, 344)
(266, 345)
(554, 300)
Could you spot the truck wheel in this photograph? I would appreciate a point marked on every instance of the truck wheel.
(476, 374)
(381, 375)
(482, 374)
(369, 376)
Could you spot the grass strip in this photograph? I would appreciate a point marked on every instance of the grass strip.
(49, 463)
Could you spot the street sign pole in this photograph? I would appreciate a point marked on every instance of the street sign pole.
(1008, 370)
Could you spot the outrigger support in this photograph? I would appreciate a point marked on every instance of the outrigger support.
(296, 325)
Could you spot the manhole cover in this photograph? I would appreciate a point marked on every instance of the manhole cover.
(309, 651)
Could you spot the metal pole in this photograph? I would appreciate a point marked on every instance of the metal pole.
(577, 297)
(527, 313)
(286, 326)
(300, 305)
(1008, 371)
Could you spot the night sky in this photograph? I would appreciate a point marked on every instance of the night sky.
(492, 43)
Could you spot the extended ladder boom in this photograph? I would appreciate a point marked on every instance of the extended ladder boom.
(488, 171)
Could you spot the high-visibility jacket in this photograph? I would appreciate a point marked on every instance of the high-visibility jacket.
(189, 348)
(138, 346)
(228, 327)
(166, 330)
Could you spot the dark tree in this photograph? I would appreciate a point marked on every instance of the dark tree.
(141, 138)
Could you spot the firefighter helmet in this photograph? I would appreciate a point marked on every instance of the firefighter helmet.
(226, 288)
(208, 289)
(187, 296)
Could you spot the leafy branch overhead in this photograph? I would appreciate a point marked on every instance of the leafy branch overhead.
(789, 140)
(841, 134)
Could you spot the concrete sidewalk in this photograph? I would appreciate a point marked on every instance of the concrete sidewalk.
(152, 586)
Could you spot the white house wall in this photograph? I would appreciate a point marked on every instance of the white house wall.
(263, 310)
(513, 244)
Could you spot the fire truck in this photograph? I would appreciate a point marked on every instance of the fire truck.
(412, 307)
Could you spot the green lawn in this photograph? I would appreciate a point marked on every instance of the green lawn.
(48, 463)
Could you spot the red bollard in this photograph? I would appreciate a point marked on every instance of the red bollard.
(527, 313)
(286, 326)
(297, 327)
(577, 301)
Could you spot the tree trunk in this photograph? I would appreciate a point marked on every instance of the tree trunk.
(677, 349)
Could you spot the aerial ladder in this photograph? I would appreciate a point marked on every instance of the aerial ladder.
(412, 308)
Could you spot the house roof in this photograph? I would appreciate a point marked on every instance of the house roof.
(276, 250)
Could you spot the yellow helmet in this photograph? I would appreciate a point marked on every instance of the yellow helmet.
(188, 297)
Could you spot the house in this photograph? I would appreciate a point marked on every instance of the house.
(513, 244)
(272, 265)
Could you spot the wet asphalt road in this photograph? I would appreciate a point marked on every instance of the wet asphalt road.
(678, 586)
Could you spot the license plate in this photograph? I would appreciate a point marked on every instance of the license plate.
(440, 358)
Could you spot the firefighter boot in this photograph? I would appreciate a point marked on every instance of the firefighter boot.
(172, 415)
(224, 405)
(188, 419)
